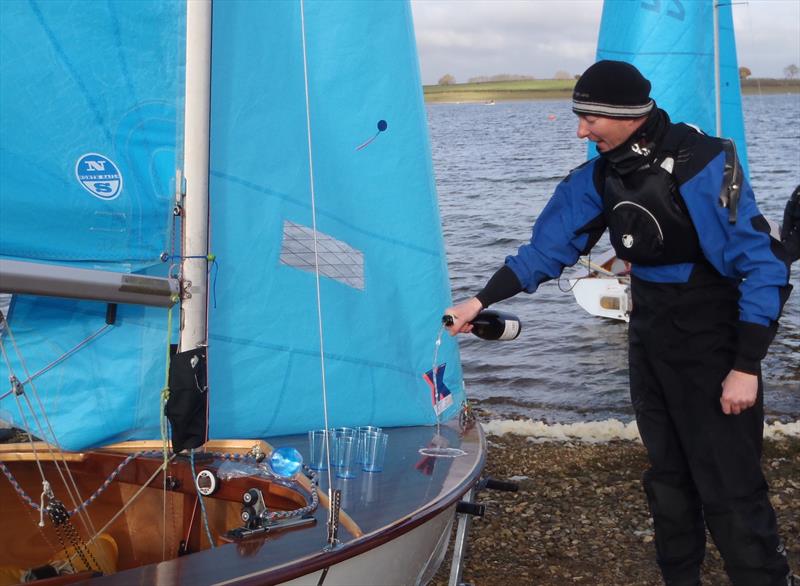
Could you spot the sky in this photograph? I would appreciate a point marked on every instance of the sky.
(471, 38)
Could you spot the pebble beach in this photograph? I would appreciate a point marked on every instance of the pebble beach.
(580, 515)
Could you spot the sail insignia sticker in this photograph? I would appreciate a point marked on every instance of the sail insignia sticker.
(99, 176)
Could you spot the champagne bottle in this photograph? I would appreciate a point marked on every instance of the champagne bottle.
(490, 324)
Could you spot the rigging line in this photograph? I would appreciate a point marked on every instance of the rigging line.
(66, 354)
(164, 431)
(131, 500)
(209, 281)
(203, 513)
(316, 257)
(70, 486)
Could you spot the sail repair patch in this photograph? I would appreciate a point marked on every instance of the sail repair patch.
(309, 251)
(99, 176)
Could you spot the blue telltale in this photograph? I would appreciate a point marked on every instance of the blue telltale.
(382, 125)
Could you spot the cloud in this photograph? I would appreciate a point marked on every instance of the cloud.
(468, 38)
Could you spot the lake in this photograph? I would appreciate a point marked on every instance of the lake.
(496, 167)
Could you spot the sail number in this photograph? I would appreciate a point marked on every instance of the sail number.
(674, 8)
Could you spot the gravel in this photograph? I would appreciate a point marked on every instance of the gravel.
(580, 516)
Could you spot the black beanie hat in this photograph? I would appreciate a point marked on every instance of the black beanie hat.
(613, 89)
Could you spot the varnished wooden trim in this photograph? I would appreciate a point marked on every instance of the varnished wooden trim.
(23, 452)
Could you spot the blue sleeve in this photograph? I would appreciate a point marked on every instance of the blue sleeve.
(743, 251)
(566, 228)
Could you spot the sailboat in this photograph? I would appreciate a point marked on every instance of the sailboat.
(233, 221)
(688, 52)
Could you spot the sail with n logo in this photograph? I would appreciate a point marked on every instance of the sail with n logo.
(209, 252)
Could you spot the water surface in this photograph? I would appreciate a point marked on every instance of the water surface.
(496, 167)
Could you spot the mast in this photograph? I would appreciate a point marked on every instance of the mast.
(717, 89)
(195, 149)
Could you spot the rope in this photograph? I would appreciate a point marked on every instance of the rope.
(66, 355)
(164, 434)
(316, 255)
(71, 486)
(100, 490)
(233, 457)
(130, 502)
(203, 512)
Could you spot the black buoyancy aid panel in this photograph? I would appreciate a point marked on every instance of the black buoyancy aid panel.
(186, 405)
(647, 218)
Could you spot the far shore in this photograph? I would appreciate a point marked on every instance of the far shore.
(555, 89)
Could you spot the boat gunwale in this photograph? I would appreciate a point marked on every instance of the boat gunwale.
(325, 559)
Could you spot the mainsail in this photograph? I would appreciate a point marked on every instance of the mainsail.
(672, 42)
(294, 105)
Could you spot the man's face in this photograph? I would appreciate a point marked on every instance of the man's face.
(606, 133)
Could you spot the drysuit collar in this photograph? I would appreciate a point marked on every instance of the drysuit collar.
(640, 148)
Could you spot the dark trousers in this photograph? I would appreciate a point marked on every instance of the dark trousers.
(705, 466)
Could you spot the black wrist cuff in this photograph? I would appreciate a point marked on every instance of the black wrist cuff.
(753, 343)
(503, 284)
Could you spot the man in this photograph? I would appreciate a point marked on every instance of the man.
(708, 286)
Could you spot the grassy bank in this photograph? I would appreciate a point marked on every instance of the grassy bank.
(551, 89)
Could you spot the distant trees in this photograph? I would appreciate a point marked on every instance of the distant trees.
(561, 74)
(499, 77)
(744, 73)
(447, 79)
(791, 71)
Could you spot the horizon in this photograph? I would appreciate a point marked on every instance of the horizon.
(482, 38)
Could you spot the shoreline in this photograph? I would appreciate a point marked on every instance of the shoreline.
(473, 94)
(580, 515)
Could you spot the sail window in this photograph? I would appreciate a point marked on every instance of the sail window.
(337, 260)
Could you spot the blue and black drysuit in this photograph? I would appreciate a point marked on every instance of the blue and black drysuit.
(708, 286)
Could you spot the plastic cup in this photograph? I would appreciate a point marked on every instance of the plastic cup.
(374, 451)
(344, 456)
(317, 444)
(361, 433)
(343, 431)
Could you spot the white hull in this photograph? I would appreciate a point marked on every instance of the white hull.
(412, 558)
(604, 296)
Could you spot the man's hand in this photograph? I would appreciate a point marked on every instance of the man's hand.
(462, 314)
(739, 392)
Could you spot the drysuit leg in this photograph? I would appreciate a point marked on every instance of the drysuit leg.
(705, 465)
(680, 535)
(725, 460)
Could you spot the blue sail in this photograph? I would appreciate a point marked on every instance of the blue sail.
(88, 109)
(383, 278)
(672, 44)
(90, 132)
(88, 167)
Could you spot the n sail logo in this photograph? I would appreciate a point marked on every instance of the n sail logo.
(99, 176)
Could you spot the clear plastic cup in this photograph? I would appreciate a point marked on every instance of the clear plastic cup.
(374, 451)
(317, 445)
(344, 431)
(361, 433)
(344, 456)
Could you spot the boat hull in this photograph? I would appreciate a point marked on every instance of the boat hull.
(394, 527)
